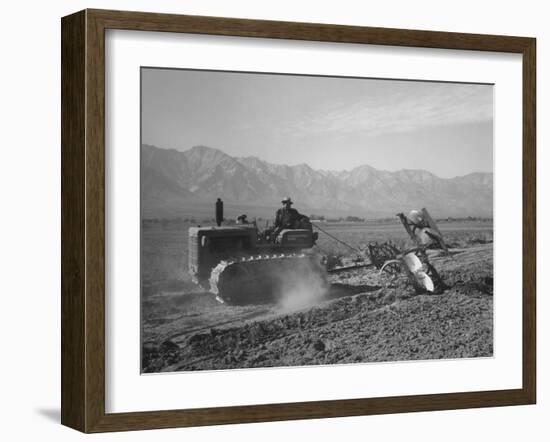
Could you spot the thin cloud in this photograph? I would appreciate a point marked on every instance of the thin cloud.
(435, 106)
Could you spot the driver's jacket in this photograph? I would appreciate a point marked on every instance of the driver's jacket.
(286, 218)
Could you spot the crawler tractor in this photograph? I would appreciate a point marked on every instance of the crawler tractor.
(241, 264)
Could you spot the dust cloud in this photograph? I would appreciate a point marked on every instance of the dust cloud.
(301, 287)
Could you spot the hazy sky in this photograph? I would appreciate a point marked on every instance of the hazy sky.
(325, 122)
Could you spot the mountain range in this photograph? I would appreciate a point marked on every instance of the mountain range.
(175, 181)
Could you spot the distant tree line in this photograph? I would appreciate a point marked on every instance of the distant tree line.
(349, 219)
(178, 221)
(466, 218)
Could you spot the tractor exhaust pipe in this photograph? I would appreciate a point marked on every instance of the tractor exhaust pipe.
(219, 212)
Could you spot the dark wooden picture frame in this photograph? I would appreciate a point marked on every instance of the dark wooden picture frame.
(83, 220)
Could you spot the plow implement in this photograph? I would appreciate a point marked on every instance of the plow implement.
(413, 263)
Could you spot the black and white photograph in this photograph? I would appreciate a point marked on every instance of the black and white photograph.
(299, 220)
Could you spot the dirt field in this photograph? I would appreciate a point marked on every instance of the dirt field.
(359, 319)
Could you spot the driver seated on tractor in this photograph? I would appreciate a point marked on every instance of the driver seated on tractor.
(286, 217)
